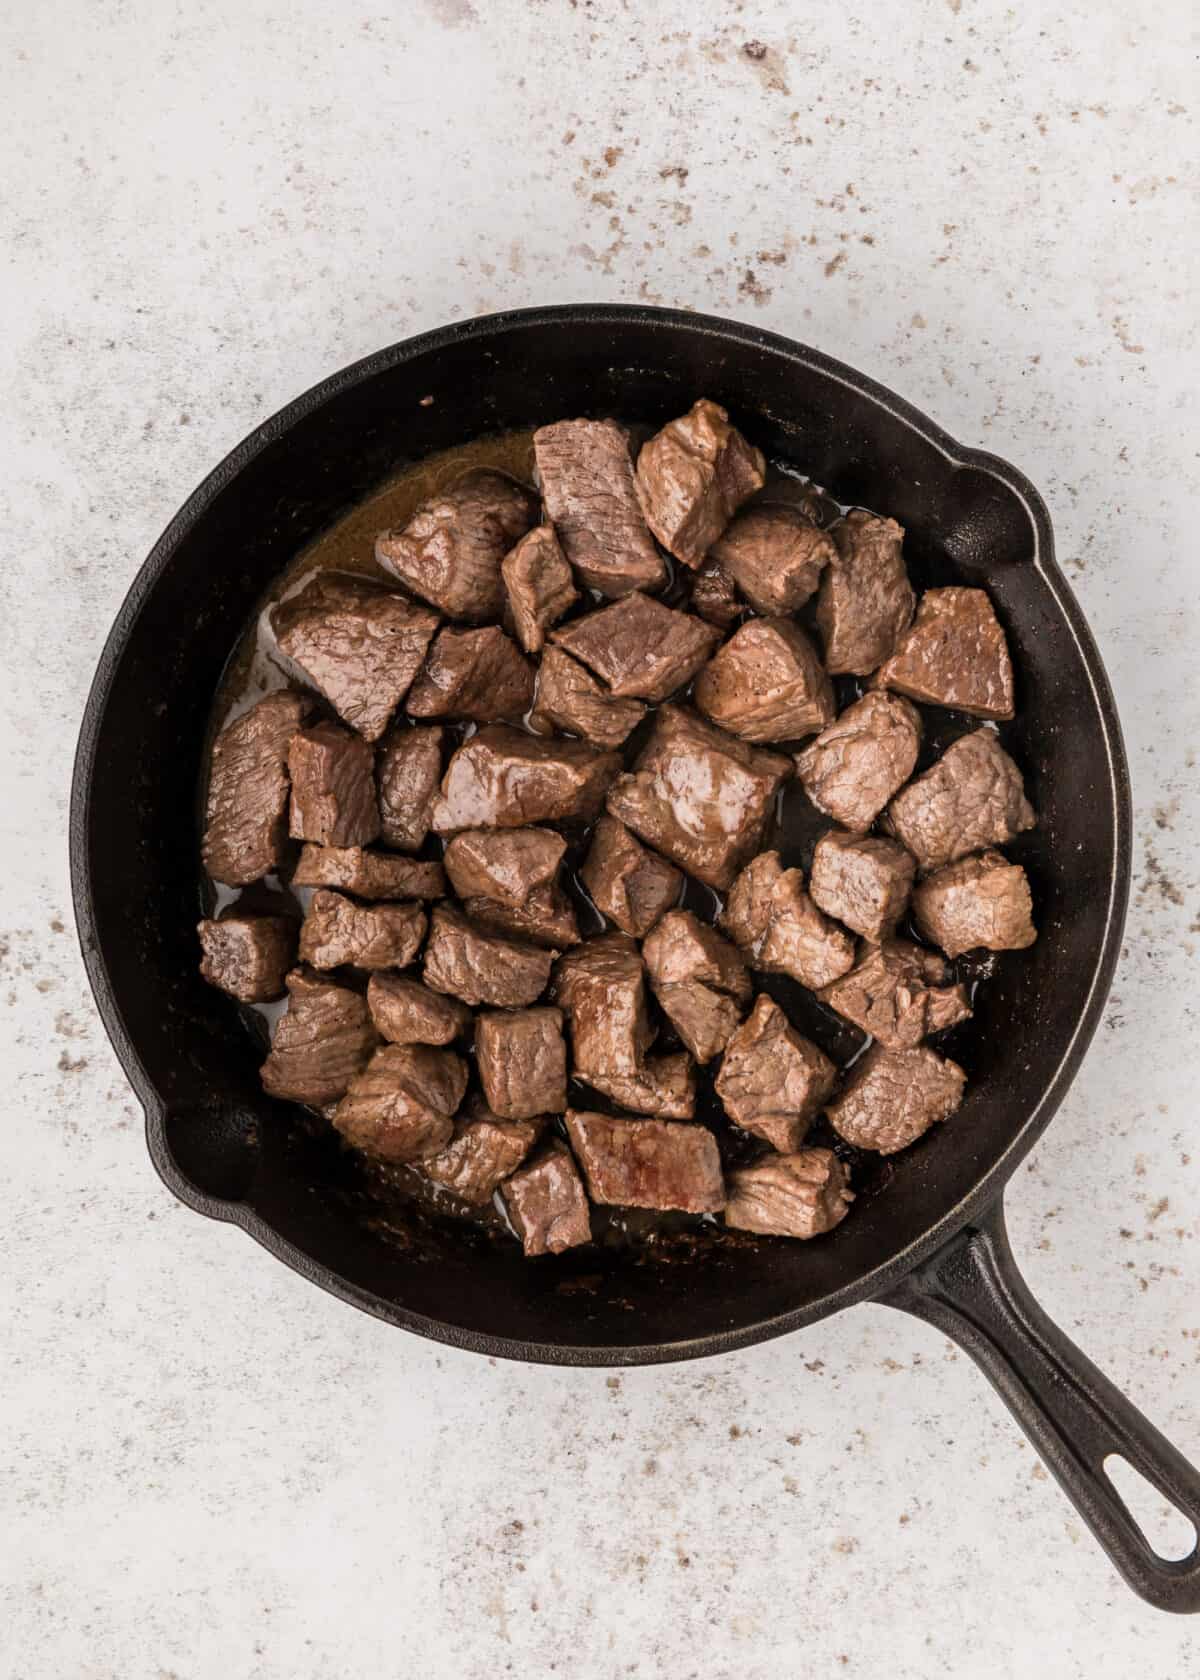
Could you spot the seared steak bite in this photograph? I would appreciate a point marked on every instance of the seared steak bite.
(700, 981)
(640, 648)
(333, 787)
(800, 1195)
(633, 887)
(547, 917)
(898, 994)
(767, 683)
(483, 1151)
(865, 602)
(361, 646)
(321, 1043)
(861, 881)
(368, 874)
(647, 1163)
(699, 795)
(601, 987)
(507, 864)
(772, 1081)
(338, 931)
(714, 596)
(451, 549)
(978, 903)
(893, 1096)
(973, 797)
(402, 1105)
(477, 674)
(248, 956)
(586, 478)
(775, 555)
(503, 778)
(860, 760)
(245, 823)
(406, 1012)
(779, 929)
(408, 773)
(955, 654)
(522, 1061)
(547, 1203)
(481, 967)
(508, 880)
(663, 1085)
(539, 584)
(693, 476)
(569, 697)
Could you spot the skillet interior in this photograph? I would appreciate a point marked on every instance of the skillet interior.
(222, 1146)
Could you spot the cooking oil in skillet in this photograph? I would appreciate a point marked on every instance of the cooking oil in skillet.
(398, 1202)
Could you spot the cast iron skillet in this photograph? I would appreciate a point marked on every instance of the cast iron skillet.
(934, 1242)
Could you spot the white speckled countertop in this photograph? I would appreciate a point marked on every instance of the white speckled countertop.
(209, 1467)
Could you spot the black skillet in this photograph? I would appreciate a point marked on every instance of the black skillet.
(931, 1240)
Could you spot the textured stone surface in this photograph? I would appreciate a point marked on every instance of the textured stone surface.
(208, 1466)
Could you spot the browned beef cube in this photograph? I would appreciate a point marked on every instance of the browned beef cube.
(979, 903)
(861, 881)
(539, 584)
(406, 1012)
(647, 1163)
(482, 967)
(359, 645)
(503, 778)
(408, 773)
(859, 761)
(699, 795)
(601, 986)
(633, 887)
(693, 476)
(800, 1195)
(775, 555)
(714, 596)
(402, 1106)
(522, 1060)
(772, 1081)
(478, 674)
(245, 823)
(368, 874)
(569, 697)
(663, 1085)
(547, 1203)
(779, 929)
(482, 1153)
(865, 602)
(333, 787)
(586, 478)
(955, 654)
(451, 550)
(321, 1043)
(699, 979)
(338, 931)
(547, 917)
(640, 648)
(507, 879)
(248, 956)
(767, 683)
(898, 994)
(973, 797)
(893, 1096)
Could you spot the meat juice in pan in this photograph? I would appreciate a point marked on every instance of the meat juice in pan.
(398, 1201)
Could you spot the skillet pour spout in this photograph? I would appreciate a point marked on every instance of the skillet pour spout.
(930, 1241)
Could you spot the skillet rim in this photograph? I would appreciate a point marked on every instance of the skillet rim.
(988, 1187)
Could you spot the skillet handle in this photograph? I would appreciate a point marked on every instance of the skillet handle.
(972, 1291)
